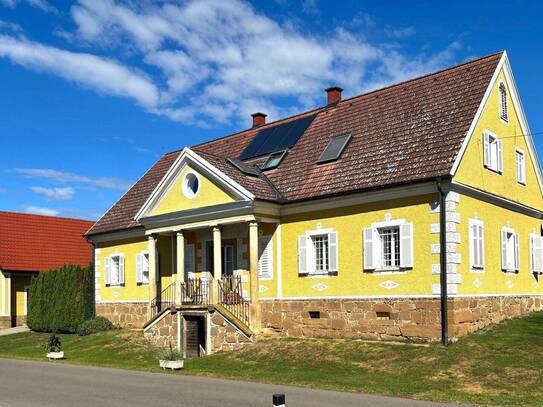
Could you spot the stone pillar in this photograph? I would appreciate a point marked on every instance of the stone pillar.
(217, 261)
(152, 240)
(180, 269)
(253, 269)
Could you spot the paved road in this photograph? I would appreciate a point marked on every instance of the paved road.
(44, 384)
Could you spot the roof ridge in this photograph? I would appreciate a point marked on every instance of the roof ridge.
(440, 71)
(46, 216)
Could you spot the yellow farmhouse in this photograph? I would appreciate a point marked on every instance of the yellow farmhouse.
(414, 211)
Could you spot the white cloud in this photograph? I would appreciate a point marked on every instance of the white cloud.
(58, 194)
(39, 210)
(67, 177)
(101, 74)
(216, 61)
(41, 4)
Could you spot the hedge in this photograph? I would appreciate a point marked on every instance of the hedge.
(61, 299)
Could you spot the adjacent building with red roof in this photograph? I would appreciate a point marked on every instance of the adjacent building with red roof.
(30, 244)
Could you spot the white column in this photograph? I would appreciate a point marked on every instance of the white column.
(152, 271)
(253, 269)
(217, 262)
(180, 269)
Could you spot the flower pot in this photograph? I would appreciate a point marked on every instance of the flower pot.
(171, 364)
(55, 355)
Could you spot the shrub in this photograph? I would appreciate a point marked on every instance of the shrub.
(53, 344)
(97, 324)
(170, 353)
(61, 299)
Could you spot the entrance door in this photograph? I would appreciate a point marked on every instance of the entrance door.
(195, 335)
(228, 257)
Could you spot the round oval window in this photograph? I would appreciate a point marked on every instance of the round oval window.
(191, 185)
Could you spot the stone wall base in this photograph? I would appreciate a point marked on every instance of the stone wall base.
(126, 315)
(164, 332)
(226, 336)
(389, 319)
(5, 322)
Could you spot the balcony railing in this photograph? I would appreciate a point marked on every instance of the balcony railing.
(196, 292)
(230, 292)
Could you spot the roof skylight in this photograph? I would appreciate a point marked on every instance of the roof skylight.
(334, 148)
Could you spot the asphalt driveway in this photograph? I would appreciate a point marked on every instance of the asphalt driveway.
(25, 383)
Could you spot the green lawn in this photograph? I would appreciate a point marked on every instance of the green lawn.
(502, 365)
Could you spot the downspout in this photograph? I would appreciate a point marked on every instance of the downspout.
(443, 264)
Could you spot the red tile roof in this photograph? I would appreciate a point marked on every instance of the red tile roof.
(407, 132)
(38, 243)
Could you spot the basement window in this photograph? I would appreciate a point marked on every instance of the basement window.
(314, 314)
(383, 315)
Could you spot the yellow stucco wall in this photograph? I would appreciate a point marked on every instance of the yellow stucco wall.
(471, 170)
(493, 280)
(131, 291)
(18, 295)
(174, 199)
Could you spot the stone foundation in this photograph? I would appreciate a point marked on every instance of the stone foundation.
(5, 322)
(225, 336)
(163, 333)
(390, 319)
(126, 315)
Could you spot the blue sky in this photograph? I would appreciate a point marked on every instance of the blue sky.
(94, 91)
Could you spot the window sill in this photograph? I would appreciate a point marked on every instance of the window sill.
(521, 183)
(510, 271)
(319, 275)
(477, 270)
(114, 285)
(494, 170)
(387, 271)
(142, 284)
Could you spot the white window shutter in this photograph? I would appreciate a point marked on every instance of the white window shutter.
(481, 245)
(333, 251)
(369, 248)
(504, 250)
(121, 270)
(538, 254)
(406, 245)
(302, 255)
(517, 257)
(472, 234)
(486, 149)
(139, 268)
(265, 256)
(499, 155)
(108, 270)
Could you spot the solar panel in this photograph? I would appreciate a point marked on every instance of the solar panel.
(276, 138)
(334, 148)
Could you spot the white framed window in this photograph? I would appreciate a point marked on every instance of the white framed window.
(520, 162)
(476, 245)
(536, 254)
(388, 246)
(227, 260)
(318, 252)
(504, 115)
(492, 152)
(115, 270)
(265, 257)
(191, 185)
(142, 268)
(510, 250)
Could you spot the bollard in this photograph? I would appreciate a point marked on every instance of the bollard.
(278, 400)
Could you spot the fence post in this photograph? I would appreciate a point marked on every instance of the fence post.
(278, 400)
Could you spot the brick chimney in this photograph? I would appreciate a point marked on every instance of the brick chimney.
(259, 119)
(333, 95)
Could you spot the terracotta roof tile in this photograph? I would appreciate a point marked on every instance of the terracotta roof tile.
(37, 243)
(407, 132)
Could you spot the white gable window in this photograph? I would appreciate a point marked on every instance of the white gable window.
(318, 252)
(265, 257)
(388, 246)
(510, 250)
(142, 268)
(115, 270)
(503, 102)
(521, 166)
(476, 245)
(536, 254)
(492, 152)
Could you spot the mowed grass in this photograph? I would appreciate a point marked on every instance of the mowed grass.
(502, 365)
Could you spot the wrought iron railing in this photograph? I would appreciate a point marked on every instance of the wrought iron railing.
(196, 292)
(164, 300)
(230, 292)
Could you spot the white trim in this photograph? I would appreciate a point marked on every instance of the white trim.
(279, 263)
(117, 254)
(388, 223)
(188, 156)
(26, 290)
(8, 279)
(513, 94)
(417, 296)
(2, 299)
